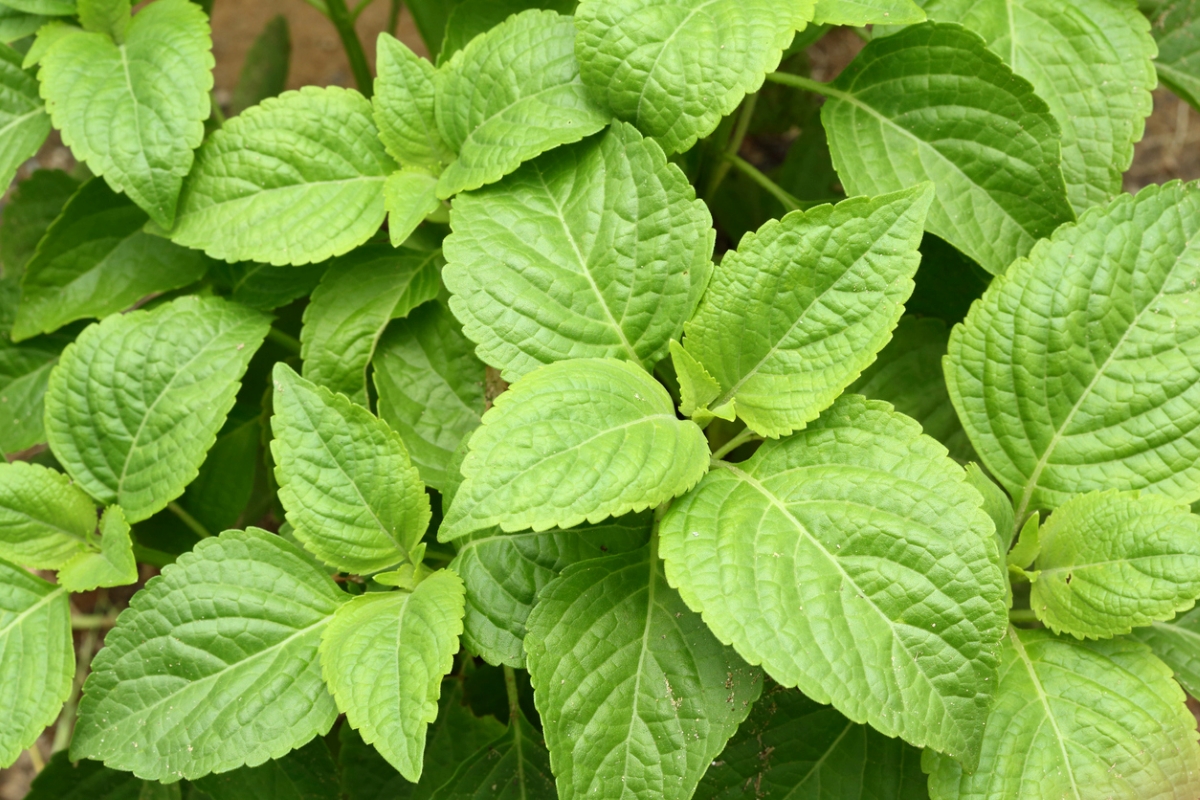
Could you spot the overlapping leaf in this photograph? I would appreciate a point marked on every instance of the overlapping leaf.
(16, 24)
(114, 565)
(91, 780)
(34, 204)
(304, 774)
(45, 519)
(868, 12)
(263, 286)
(514, 767)
(409, 196)
(404, 106)
(1175, 25)
(471, 18)
(1177, 643)
(24, 374)
(24, 124)
(225, 483)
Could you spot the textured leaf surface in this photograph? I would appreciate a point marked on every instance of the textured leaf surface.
(24, 374)
(304, 774)
(404, 104)
(114, 565)
(997, 505)
(867, 12)
(91, 780)
(578, 440)
(509, 95)
(1175, 25)
(853, 561)
(596, 250)
(263, 286)
(514, 767)
(34, 204)
(1080, 369)
(675, 67)
(294, 180)
(933, 104)
(636, 695)
(24, 124)
(37, 658)
(410, 196)
(96, 260)
(355, 499)
(1177, 643)
(504, 572)
(813, 297)
(384, 656)
(45, 519)
(214, 665)
(359, 294)
(1079, 720)
(139, 441)
(430, 387)
(135, 111)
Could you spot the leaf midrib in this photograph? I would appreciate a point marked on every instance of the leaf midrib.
(20, 618)
(1019, 647)
(16, 121)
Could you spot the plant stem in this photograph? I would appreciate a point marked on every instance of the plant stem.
(358, 9)
(341, 20)
(788, 202)
(800, 82)
(746, 435)
(35, 755)
(1022, 615)
(283, 340)
(393, 17)
(66, 720)
(91, 622)
(514, 700)
(189, 520)
(732, 148)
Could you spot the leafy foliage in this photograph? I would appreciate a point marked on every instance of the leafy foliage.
(23, 122)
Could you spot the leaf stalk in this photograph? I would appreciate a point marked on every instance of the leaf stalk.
(340, 16)
(187, 519)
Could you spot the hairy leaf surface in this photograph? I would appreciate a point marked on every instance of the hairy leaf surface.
(404, 105)
(114, 565)
(45, 519)
(514, 767)
(1177, 643)
(24, 124)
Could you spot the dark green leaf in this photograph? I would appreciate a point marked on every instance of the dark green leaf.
(307, 773)
(34, 204)
(265, 70)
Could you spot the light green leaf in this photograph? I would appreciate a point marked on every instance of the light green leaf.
(405, 94)
(504, 572)
(867, 12)
(225, 483)
(577, 440)
(908, 374)
(214, 666)
(45, 520)
(1104, 345)
(49, 8)
(114, 565)
(1091, 61)
(1080, 720)
(110, 17)
(1175, 25)
(384, 656)
(359, 294)
(410, 196)
(140, 441)
(114, 111)
(34, 204)
(675, 67)
(263, 286)
(932, 103)
(998, 506)
(793, 747)
(16, 24)
(852, 560)
(294, 180)
(1177, 643)
(91, 780)
(697, 388)
(355, 499)
(265, 70)
(24, 124)
(559, 260)
(533, 103)
(24, 373)
(1028, 544)
(304, 774)
(636, 695)
(514, 767)
(430, 387)
(471, 18)
(95, 260)
(37, 658)
(1111, 561)
(813, 298)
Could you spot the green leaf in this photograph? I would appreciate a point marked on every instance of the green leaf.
(1091, 61)
(96, 260)
(45, 520)
(514, 767)
(1111, 561)
(697, 388)
(596, 250)
(37, 659)
(405, 96)
(1177, 643)
(294, 180)
(35, 203)
(636, 695)
(359, 294)
(908, 374)
(355, 499)
(1079, 719)
(50, 8)
(471, 18)
(114, 565)
(1175, 25)
(675, 67)
(793, 747)
(813, 297)
(110, 103)
(1028, 544)
(932, 103)
(504, 572)
(534, 101)
(110, 17)
(536, 460)
(307, 773)
(16, 25)
(263, 286)
(384, 656)
(140, 441)
(868, 12)
(24, 124)
(430, 387)
(410, 196)
(852, 560)
(91, 780)
(214, 666)
(225, 483)
(265, 70)
(24, 373)
(998, 506)
(1093, 353)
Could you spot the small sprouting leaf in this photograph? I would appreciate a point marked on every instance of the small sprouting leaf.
(114, 565)
(697, 388)
(37, 658)
(263, 286)
(265, 70)
(1175, 25)
(534, 101)
(622, 713)
(868, 12)
(294, 180)
(997, 504)
(91, 780)
(360, 293)
(852, 560)
(355, 499)
(45, 520)
(533, 462)
(24, 124)
(813, 298)
(932, 103)
(504, 572)
(410, 196)
(1028, 546)
(675, 67)
(514, 767)
(307, 773)
(430, 387)
(1093, 353)
(1177, 643)
(384, 656)
(96, 260)
(405, 94)
(1078, 719)
(35, 203)
(196, 677)
(109, 101)
(140, 441)
(557, 261)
